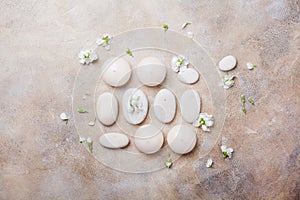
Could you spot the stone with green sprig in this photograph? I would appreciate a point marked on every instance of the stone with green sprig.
(135, 105)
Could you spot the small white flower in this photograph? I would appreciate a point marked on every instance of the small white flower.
(81, 139)
(227, 152)
(64, 116)
(179, 63)
(190, 35)
(105, 41)
(135, 105)
(205, 120)
(250, 66)
(228, 82)
(209, 163)
(87, 56)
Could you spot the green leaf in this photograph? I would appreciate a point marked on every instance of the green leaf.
(90, 145)
(225, 155)
(244, 110)
(80, 110)
(87, 55)
(243, 98)
(128, 51)
(250, 100)
(169, 162)
(202, 122)
(166, 27)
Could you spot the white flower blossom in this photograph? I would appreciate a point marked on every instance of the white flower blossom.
(135, 105)
(250, 66)
(227, 152)
(209, 163)
(190, 35)
(81, 139)
(205, 120)
(105, 41)
(87, 56)
(64, 116)
(179, 63)
(228, 82)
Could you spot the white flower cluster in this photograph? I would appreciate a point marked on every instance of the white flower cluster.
(205, 120)
(105, 41)
(227, 152)
(179, 63)
(228, 82)
(87, 56)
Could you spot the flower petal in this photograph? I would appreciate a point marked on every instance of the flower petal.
(223, 148)
(209, 123)
(204, 128)
(209, 163)
(183, 68)
(196, 123)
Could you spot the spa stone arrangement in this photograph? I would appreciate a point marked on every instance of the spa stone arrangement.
(151, 72)
(148, 96)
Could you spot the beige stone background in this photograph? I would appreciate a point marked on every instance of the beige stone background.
(40, 157)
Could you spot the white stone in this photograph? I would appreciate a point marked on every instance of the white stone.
(107, 108)
(190, 105)
(227, 63)
(151, 71)
(189, 76)
(117, 73)
(134, 117)
(148, 139)
(181, 139)
(164, 106)
(114, 140)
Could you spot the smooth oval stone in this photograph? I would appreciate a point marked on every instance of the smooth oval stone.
(227, 63)
(118, 73)
(189, 76)
(190, 105)
(151, 71)
(134, 117)
(182, 139)
(148, 139)
(114, 140)
(164, 106)
(107, 108)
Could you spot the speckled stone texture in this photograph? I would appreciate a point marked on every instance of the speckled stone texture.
(40, 156)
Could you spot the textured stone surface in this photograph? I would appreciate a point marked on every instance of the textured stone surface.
(40, 157)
